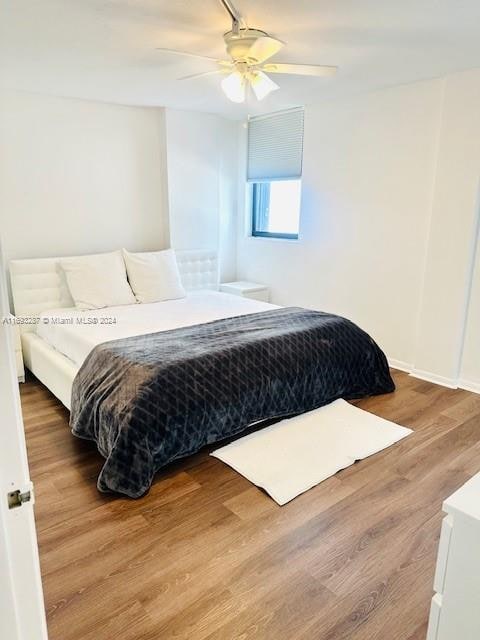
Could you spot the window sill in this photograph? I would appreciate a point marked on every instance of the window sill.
(273, 239)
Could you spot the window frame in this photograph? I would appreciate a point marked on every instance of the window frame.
(254, 207)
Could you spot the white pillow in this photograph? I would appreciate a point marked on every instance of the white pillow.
(154, 276)
(98, 281)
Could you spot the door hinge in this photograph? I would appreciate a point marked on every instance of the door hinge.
(20, 496)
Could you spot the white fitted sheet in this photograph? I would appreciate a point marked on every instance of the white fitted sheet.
(77, 340)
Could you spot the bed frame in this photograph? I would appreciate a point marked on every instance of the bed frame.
(39, 284)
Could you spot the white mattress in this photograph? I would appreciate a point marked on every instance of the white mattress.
(77, 339)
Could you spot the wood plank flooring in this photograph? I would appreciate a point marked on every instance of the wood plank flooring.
(207, 556)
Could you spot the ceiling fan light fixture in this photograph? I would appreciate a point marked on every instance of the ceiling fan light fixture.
(262, 85)
(234, 87)
(249, 51)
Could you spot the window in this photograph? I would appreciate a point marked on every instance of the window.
(274, 171)
(276, 209)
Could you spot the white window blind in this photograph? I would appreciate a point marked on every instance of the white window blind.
(275, 146)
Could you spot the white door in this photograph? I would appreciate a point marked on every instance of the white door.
(22, 615)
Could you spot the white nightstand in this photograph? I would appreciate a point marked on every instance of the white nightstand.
(18, 351)
(247, 290)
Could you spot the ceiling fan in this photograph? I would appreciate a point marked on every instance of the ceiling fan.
(249, 49)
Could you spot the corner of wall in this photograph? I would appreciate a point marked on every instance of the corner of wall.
(201, 151)
(164, 207)
(450, 256)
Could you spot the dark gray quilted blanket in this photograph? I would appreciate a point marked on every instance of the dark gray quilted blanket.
(148, 400)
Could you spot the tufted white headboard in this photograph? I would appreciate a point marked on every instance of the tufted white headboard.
(198, 269)
(38, 284)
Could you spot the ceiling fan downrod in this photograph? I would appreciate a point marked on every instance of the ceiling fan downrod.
(237, 20)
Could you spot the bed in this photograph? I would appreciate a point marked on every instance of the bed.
(151, 383)
(38, 288)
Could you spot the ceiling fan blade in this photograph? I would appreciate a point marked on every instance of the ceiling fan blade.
(320, 71)
(264, 48)
(186, 53)
(204, 73)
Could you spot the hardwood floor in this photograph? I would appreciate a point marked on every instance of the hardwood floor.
(207, 556)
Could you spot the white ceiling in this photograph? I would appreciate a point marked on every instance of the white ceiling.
(105, 49)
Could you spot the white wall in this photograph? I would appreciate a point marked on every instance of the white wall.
(389, 206)
(80, 177)
(202, 174)
(366, 192)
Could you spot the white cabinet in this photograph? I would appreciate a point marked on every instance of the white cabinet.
(246, 290)
(455, 608)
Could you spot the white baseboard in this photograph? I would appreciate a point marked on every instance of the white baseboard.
(451, 383)
(400, 365)
(469, 386)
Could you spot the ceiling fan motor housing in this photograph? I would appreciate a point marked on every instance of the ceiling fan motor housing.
(239, 44)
